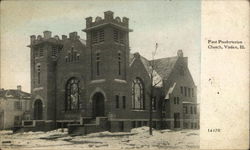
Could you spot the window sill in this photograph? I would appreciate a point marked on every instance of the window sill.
(40, 57)
(138, 110)
(71, 111)
(38, 88)
(97, 43)
(120, 108)
(119, 43)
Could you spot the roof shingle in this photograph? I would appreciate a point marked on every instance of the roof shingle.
(163, 67)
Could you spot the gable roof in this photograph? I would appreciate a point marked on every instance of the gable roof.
(14, 94)
(163, 66)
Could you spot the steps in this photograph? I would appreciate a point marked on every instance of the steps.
(98, 124)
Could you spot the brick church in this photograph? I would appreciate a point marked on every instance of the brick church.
(97, 84)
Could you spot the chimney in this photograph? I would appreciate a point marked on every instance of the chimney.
(137, 55)
(108, 15)
(19, 87)
(179, 53)
(47, 34)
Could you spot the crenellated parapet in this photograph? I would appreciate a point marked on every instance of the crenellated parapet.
(47, 36)
(108, 19)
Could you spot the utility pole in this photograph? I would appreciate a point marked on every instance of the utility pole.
(150, 105)
(152, 90)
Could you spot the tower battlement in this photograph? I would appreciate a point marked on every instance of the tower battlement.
(47, 35)
(108, 18)
(39, 38)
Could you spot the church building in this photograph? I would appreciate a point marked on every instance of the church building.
(97, 84)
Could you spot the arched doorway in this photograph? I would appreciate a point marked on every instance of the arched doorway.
(98, 105)
(38, 110)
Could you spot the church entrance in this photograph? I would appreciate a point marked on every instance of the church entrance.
(98, 105)
(38, 110)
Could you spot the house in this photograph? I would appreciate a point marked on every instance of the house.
(98, 84)
(15, 106)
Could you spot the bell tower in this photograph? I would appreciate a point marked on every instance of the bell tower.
(44, 52)
(108, 45)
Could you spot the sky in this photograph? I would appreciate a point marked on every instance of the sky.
(173, 24)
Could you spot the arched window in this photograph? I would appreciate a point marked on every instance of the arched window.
(72, 94)
(138, 94)
(119, 63)
(38, 74)
(98, 64)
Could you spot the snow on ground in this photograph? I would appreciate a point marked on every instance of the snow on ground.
(138, 138)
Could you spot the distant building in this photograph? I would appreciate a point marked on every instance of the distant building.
(97, 80)
(15, 106)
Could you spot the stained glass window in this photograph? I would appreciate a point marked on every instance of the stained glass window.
(72, 94)
(137, 94)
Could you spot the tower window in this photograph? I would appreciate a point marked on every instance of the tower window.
(97, 36)
(121, 37)
(118, 36)
(192, 92)
(101, 36)
(54, 51)
(38, 74)
(94, 37)
(72, 94)
(119, 63)
(98, 64)
(137, 94)
(40, 52)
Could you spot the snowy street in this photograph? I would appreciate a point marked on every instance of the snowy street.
(138, 138)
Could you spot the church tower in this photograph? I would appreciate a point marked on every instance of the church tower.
(108, 44)
(44, 52)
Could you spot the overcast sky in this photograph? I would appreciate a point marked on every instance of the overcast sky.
(174, 24)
